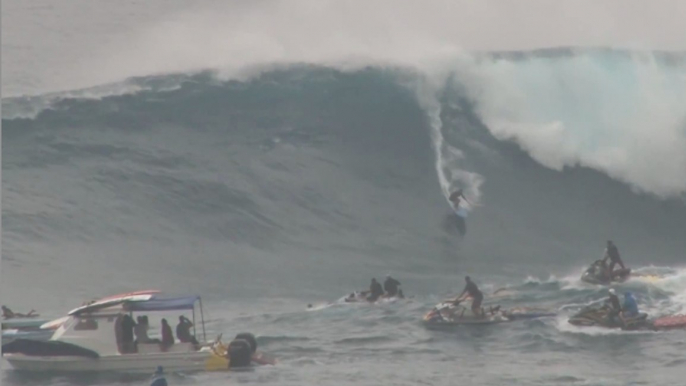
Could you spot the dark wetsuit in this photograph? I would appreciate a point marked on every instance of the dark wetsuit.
(391, 286)
(375, 291)
(477, 296)
(616, 307)
(613, 254)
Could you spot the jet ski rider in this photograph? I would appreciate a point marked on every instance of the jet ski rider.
(612, 253)
(375, 291)
(471, 290)
(391, 286)
(630, 307)
(616, 308)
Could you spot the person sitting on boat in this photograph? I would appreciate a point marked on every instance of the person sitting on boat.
(630, 307)
(612, 253)
(183, 330)
(471, 290)
(375, 291)
(141, 330)
(391, 286)
(9, 314)
(167, 336)
(615, 307)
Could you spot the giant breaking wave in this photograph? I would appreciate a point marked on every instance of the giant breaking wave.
(350, 167)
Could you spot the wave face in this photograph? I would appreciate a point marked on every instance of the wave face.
(313, 172)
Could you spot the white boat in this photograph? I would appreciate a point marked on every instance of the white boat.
(90, 340)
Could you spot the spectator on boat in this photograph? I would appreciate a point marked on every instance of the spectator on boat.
(127, 325)
(141, 330)
(167, 336)
(183, 330)
(118, 331)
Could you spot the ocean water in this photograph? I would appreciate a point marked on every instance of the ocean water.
(267, 177)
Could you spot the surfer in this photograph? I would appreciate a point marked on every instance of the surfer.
(471, 290)
(455, 198)
(391, 286)
(375, 290)
(612, 254)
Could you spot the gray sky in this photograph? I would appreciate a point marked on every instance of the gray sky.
(65, 44)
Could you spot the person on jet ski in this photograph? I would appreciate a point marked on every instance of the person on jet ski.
(616, 308)
(471, 290)
(375, 290)
(391, 286)
(612, 254)
(630, 307)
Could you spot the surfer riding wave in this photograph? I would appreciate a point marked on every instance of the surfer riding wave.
(460, 210)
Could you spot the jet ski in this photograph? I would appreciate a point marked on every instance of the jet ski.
(362, 297)
(600, 317)
(597, 274)
(450, 314)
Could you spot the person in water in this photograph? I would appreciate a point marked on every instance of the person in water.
(9, 314)
(615, 307)
(158, 378)
(612, 253)
(630, 307)
(391, 286)
(471, 290)
(375, 291)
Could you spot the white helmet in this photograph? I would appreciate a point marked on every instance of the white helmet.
(612, 291)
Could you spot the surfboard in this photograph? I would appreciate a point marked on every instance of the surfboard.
(462, 212)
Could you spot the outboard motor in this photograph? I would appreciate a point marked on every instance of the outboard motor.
(239, 353)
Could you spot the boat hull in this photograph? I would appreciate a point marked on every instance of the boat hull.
(128, 363)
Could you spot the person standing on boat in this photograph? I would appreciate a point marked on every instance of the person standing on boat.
(127, 325)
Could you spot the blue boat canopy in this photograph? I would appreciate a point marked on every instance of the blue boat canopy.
(168, 304)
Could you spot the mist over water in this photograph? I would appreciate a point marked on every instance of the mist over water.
(269, 167)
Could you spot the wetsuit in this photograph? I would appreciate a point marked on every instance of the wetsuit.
(375, 291)
(477, 296)
(613, 254)
(616, 308)
(630, 306)
(391, 286)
